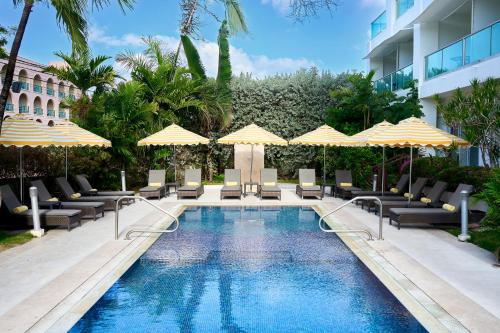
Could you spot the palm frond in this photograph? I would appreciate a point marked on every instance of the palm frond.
(71, 15)
(224, 73)
(235, 17)
(193, 58)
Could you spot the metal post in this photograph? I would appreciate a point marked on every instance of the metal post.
(66, 158)
(374, 187)
(175, 165)
(21, 175)
(124, 184)
(251, 168)
(464, 236)
(324, 166)
(383, 169)
(409, 183)
(37, 230)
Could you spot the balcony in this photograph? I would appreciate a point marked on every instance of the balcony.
(51, 113)
(38, 111)
(24, 109)
(379, 24)
(395, 81)
(24, 85)
(72, 97)
(61, 94)
(470, 49)
(62, 114)
(50, 91)
(402, 6)
(9, 107)
(37, 88)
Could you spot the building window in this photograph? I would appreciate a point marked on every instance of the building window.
(379, 24)
(402, 6)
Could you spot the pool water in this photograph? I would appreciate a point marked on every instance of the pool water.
(248, 270)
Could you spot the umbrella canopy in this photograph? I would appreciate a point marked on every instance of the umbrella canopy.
(22, 131)
(415, 132)
(173, 135)
(322, 136)
(252, 135)
(81, 136)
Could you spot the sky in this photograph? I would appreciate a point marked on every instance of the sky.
(275, 43)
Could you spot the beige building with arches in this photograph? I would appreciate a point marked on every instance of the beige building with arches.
(41, 94)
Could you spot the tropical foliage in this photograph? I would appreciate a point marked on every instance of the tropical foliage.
(476, 114)
(4, 32)
(491, 195)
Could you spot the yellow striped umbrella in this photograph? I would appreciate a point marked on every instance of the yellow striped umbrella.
(173, 135)
(360, 139)
(21, 131)
(252, 135)
(415, 132)
(322, 136)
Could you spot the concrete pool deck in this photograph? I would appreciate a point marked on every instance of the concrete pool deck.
(44, 278)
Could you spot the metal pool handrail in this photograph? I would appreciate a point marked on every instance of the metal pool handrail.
(366, 231)
(161, 231)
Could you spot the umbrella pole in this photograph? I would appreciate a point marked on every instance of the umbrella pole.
(409, 184)
(66, 160)
(324, 166)
(383, 169)
(175, 165)
(21, 175)
(251, 167)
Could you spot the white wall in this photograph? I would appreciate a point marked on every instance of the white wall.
(485, 13)
(405, 54)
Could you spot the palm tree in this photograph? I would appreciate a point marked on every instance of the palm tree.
(85, 72)
(70, 14)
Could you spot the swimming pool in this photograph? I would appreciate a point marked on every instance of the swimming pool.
(236, 269)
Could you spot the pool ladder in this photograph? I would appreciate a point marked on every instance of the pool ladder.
(366, 231)
(150, 231)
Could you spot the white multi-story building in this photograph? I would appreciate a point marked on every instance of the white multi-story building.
(41, 93)
(443, 44)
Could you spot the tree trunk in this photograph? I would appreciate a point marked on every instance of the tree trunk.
(16, 45)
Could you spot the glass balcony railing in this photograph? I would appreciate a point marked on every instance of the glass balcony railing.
(379, 24)
(402, 6)
(395, 81)
(51, 113)
(50, 91)
(61, 94)
(9, 107)
(62, 114)
(473, 48)
(37, 88)
(38, 111)
(72, 97)
(24, 109)
(24, 85)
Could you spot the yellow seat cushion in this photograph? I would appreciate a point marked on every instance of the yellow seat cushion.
(307, 184)
(155, 184)
(53, 199)
(75, 195)
(449, 207)
(394, 190)
(20, 209)
(269, 184)
(232, 183)
(426, 200)
(193, 184)
(345, 184)
(408, 195)
(93, 190)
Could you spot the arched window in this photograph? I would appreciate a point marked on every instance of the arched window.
(2, 72)
(72, 92)
(50, 123)
(23, 104)
(23, 79)
(50, 87)
(61, 92)
(37, 84)
(37, 106)
(50, 109)
(62, 111)
(9, 107)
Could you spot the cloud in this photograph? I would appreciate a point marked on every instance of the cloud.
(280, 5)
(259, 66)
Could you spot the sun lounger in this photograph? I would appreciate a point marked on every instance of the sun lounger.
(232, 184)
(192, 187)
(447, 214)
(90, 210)
(307, 184)
(343, 184)
(68, 218)
(87, 189)
(156, 185)
(70, 195)
(397, 190)
(416, 193)
(268, 187)
(434, 198)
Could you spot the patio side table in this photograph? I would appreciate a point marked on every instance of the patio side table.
(251, 184)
